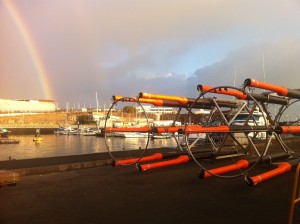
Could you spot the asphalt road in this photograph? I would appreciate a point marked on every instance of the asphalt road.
(165, 195)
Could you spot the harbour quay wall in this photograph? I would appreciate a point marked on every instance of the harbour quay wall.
(47, 122)
(30, 131)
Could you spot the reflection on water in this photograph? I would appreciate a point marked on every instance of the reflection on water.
(62, 145)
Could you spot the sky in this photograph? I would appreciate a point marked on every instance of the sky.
(70, 50)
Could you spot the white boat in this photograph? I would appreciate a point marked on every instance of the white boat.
(135, 135)
(244, 118)
(87, 132)
(4, 133)
(161, 136)
(256, 119)
(115, 134)
(66, 131)
(59, 130)
(69, 131)
(198, 136)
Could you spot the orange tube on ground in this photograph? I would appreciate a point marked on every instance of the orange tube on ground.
(241, 164)
(181, 159)
(156, 156)
(282, 168)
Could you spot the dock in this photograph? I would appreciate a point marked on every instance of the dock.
(105, 194)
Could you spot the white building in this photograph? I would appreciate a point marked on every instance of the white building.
(28, 106)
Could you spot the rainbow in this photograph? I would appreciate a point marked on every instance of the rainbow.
(32, 49)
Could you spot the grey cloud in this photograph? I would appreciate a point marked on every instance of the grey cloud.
(276, 63)
(129, 46)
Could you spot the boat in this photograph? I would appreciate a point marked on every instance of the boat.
(161, 136)
(115, 134)
(135, 135)
(255, 119)
(37, 139)
(59, 130)
(88, 132)
(194, 136)
(4, 139)
(4, 133)
(100, 132)
(69, 131)
(66, 131)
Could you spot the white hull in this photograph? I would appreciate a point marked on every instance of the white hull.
(135, 135)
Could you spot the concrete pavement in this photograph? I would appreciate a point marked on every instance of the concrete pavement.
(165, 195)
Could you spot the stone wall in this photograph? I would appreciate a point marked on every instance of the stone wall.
(45, 120)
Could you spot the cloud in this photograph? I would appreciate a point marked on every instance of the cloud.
(124, 47)
(275, 63)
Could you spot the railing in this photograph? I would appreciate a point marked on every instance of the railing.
(295, 196)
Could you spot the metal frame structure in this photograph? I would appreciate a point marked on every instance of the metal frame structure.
(241, 157)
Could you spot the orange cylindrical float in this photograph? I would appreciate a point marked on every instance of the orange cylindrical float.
(244, 163)
(200, 129)
(288, 129)
(263, 85)
(241, 164)
(155, 102)
(225, 91)
(282, 168)
(280, 90)
(155, 156)
(241, 95)
(179, 99)
(123, 98)
(191, 129)
(152, 101)
(168, 129)
(181, 159)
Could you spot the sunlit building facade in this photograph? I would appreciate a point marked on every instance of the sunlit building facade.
(26, 106)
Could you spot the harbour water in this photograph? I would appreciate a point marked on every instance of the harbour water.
(64, 145)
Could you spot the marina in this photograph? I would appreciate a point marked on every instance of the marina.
(63, 145)
(120, 112)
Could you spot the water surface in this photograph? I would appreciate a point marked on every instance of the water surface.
(63, 145)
